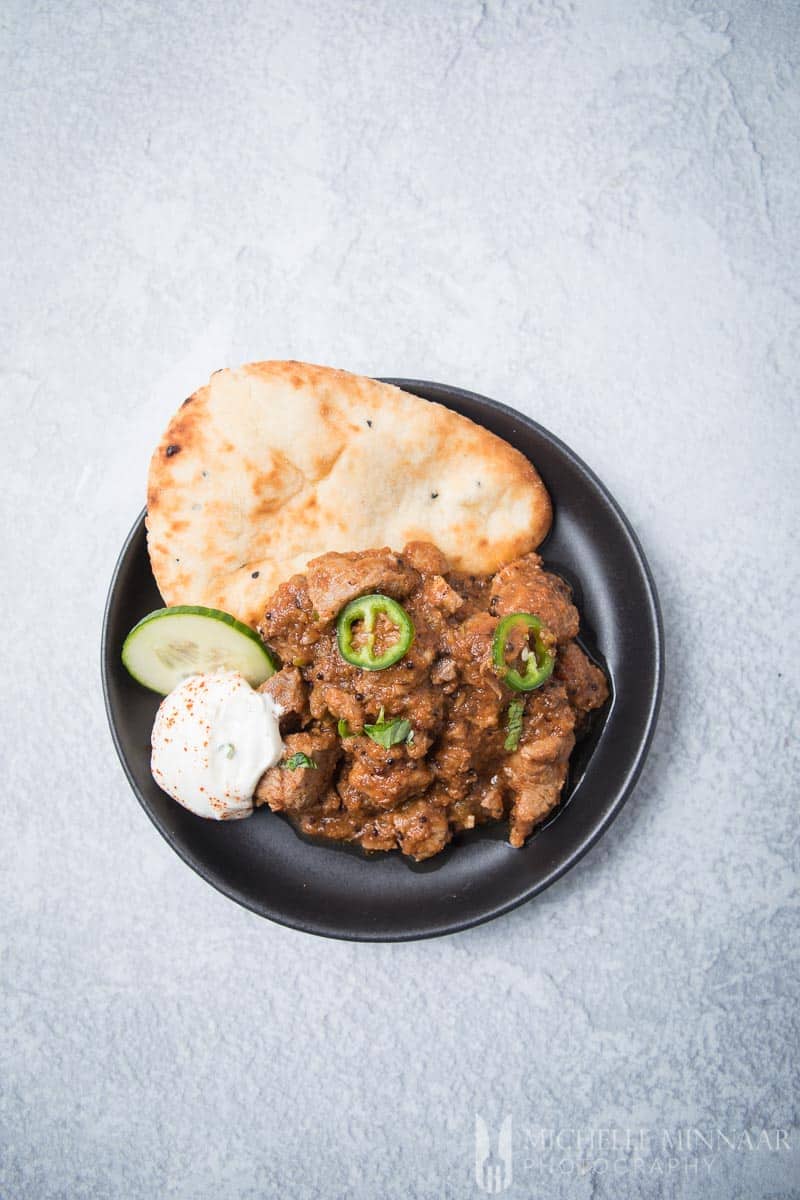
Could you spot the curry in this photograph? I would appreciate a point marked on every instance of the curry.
(417, 702)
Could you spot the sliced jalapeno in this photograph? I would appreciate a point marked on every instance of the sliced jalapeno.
(364, 613)
(539, 659)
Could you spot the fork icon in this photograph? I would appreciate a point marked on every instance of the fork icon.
(493, 1169)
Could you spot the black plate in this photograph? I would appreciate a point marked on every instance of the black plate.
(340, 892)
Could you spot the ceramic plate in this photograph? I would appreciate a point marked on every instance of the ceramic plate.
(339, 891)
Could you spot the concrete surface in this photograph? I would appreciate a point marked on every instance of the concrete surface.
(588, 210)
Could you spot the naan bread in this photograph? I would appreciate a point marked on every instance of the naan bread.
(274, 463)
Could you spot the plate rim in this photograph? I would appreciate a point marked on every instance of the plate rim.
(575, 854)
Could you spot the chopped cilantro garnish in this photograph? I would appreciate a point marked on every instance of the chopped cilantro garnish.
(514, 724)
(389, 733)
(299, 760)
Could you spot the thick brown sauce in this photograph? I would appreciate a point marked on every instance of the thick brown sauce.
(455, 773)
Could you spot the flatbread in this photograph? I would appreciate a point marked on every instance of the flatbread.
(274, 463)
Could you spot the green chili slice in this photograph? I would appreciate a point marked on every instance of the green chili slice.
(357, 626)
(539, 658)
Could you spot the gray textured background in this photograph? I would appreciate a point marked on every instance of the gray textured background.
(588, 210)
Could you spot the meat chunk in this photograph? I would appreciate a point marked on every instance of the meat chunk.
(286, 790)
(340, 704)
(484, 802)
(523, 586)
(535, 773)
(472, 738)
(334, 579)
(586, 684)
(380, 780)
(425, 557)
(421, 829)
(436, 591)
(288, 625)
(470, 647)
(287, 689)
(537, 797)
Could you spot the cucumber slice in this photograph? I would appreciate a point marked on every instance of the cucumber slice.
(171, 643)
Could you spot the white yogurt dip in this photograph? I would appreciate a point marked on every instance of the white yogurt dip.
(213, 739)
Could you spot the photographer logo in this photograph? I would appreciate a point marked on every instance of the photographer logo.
(493, 1165)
